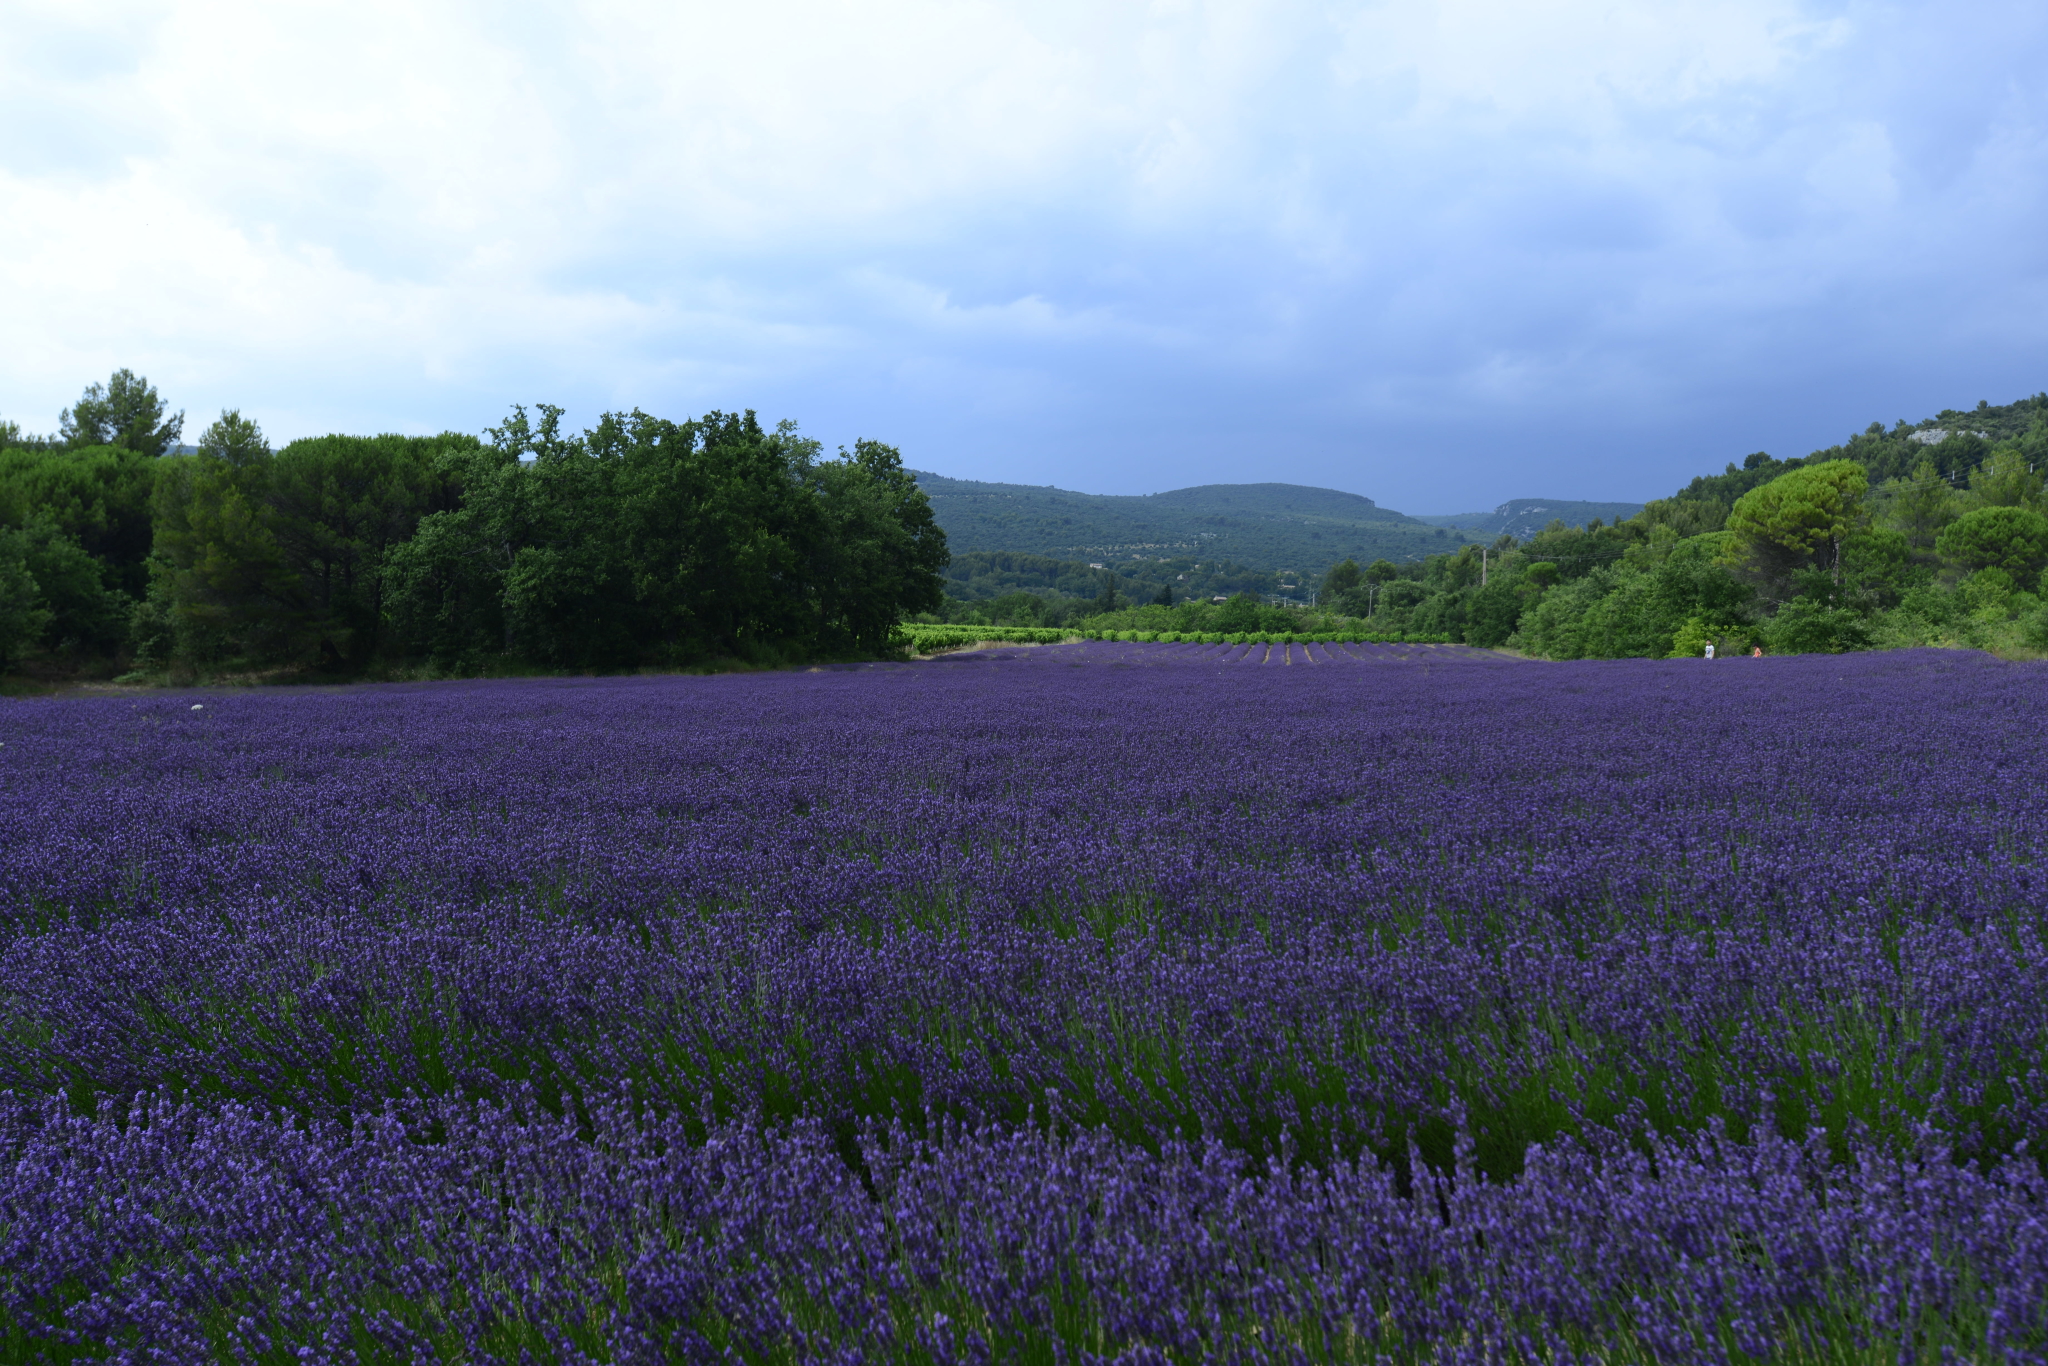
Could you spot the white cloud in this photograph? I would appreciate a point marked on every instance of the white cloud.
(1185, 217)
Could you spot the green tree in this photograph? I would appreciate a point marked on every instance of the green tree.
(12, 437)
(1362, 599)
(647, 541)
(342, 505)
(1493, 612)
(23, 614)
(572, 537)
(234, 440)
(1808, 626)
(2005, 480)
(1017, 609)
(86, 614)
(1343, 578)
(1640, 606)
(1240, 614)
(1878, 569)
(445, 587)
(1800, 518)
(2014, 539)
(127, 412)
(99, 496)
(1557, 626)
(1918, 506)
(222, 582)
(883, 549)
(1277, 620)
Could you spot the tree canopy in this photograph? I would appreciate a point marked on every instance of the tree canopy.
(2014, 539)
(126, 412)
(646, 541)
(1802, 516)
(641, 541)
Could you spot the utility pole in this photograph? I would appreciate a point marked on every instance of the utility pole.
(1482, 566)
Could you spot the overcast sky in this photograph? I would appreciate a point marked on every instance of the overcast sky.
(1442, 254)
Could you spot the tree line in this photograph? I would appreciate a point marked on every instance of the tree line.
(639, 542)
(1933, 533)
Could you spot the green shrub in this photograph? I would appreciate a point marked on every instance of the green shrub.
(1988, 590)
(1804, 626)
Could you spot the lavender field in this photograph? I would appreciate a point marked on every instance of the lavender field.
(1101, 1002)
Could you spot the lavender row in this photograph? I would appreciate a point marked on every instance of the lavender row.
(176, 1233)
(1352, 1044)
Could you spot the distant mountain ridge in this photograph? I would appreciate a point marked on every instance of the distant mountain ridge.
(1287, 530)
(1522, 518)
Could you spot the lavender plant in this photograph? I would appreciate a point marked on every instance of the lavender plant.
(1105, 1001)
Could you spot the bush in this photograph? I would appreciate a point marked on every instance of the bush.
(1989, 589)
(1691, 639)
(1804, 626)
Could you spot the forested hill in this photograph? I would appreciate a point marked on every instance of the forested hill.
(1264, 527)
(1522, 518)
(1928, 533)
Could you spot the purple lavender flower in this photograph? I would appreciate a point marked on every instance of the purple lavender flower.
(1110, 1001)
